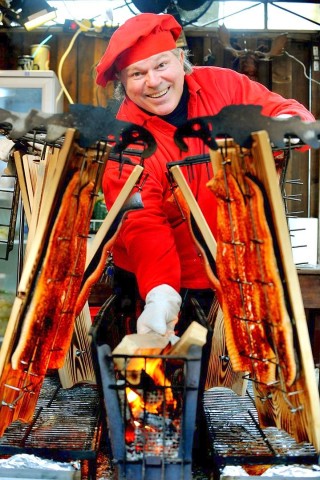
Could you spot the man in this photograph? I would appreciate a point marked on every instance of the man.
(162, 91)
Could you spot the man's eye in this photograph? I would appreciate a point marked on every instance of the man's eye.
(136, 74)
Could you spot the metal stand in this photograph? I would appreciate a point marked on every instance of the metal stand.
(65, 427)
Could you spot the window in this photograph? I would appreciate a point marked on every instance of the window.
(234, 14)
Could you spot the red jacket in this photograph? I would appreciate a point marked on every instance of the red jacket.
(154, 243)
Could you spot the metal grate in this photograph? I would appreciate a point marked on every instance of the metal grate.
(9, 203)
(237, 438)
(158, 445)
(66, 425)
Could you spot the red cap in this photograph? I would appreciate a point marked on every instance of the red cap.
(138, 38)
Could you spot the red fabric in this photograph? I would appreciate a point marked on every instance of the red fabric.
(139, 37)
(153, 242)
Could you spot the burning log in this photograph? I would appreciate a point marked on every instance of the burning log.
(140, 346)
(134, 352)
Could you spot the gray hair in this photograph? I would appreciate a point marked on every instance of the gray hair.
(119, 91)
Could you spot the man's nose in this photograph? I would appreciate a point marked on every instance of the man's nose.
(152, 78)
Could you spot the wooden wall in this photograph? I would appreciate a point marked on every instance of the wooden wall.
(282, 74)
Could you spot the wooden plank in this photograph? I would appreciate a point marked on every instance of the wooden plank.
(36, 205)
(51, 349)
(50, 172)
(195, 334)
(30, 168)
(73, 372)
(31, 265)
(113, 212)
(219, 371)
(295, 409)
(23, 186)
(134, 342)
(306, 421)
(135, 353)
(78, 366)
(46, 212)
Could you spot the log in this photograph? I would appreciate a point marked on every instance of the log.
(195, 334)
(137, 344)
(133, 352)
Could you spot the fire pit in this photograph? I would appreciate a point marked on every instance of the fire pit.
(151, 423)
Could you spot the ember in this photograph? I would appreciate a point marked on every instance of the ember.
(153, 425)
(140, 367)
(150, 432)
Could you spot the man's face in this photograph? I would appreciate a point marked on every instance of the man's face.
(156, 83)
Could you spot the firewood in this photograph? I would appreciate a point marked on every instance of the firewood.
(195, 334)
(137, 350)
(137, 344)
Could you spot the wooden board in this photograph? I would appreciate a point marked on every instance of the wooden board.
(219, 371)
(71, 373)
(295, 409)
(304, 423)
(23, 185)
(77, 171)
(30, 268)
(78, 365)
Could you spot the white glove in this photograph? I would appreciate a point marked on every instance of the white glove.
(161, 311)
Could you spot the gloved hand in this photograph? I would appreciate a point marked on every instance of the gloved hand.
(161, 311)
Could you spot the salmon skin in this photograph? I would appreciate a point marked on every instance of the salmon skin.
(48, 324)
(258, 330)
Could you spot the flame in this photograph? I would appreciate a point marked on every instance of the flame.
(153, 426)
(153, 367)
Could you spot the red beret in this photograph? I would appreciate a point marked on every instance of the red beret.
(138, 38)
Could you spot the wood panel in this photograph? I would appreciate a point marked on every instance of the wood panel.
(293, 407)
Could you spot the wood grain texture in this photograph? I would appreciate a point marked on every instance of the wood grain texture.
(78, 364)
(42, 320)
(219, 372)
(305, 419)
(290, 404)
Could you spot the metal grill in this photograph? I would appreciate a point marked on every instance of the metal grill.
(237, 438)
(9, 203)
(66, 425)
(152, 446)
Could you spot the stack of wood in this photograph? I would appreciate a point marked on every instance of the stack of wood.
(135, 346)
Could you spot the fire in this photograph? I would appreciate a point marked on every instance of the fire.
(152, 406)
(153, 368)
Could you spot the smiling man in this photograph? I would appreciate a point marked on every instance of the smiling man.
(160, 91)
(155, 84)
